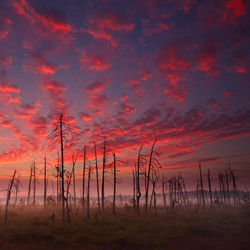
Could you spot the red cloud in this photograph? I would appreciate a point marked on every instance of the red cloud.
(234, 9)
(24, 111)
(238, 62)
(36, 63)
(134, 83)
(98, 100)
(5, 24)
(52, 20)
(6, 61)
(92, 61)
(178, 92)
(39, 124)
(3, 115)
(96, 86)
(8, 88)
(56, 90)
(104, 23)
(205, 55)
(144, 74)
(85, 116)
(171, 64)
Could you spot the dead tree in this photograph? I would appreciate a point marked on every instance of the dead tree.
(9, 191)
(97, 180)
(17, 188)
(83, 176)
(227, 183)
(115, 180)
(45, 181)
(235, 190)
(154, 179)
(68, 186)
(153, 165)
(60, 132)
(163, 192)
(103, 171)
(88, 192)
(34, 183)
(134, 187)
(202, 189)
(210, 190)
(139, 171)
(30, 179)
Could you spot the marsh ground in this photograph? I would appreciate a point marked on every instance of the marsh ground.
(189, 229)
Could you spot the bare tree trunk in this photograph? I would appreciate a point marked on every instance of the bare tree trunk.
(220, 185)
(34, 186)
(155, 207)
(134, 186)
(223, 188)
(228, 192)
(29, 191)
(210, 190)
(62, 162)
(83, 177)
(17, 189)
(236, 194)
(74, 186)
(97, 180)
(88, 197)
(8, 196)
(114, 184)
(202, 190)
(138, 191)
(45, 181)
(103, 172)
(148, 176)
(163, 192)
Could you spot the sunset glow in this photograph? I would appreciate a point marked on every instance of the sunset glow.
(129, 71)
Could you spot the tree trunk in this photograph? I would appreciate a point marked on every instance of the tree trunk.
(114, 185)
(83, 177)
(210, 190)
(62, 162)
(97, 180)
(45, 181)
(8, 197)
(148, 176)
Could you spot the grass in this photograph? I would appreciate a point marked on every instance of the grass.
(223, 229)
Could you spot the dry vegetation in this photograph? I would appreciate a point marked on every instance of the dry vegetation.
(29, 228)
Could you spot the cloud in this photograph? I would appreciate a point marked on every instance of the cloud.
(205, 56)
(9, 88)
(86, 117)
(96, 86)
(238, 62)
(24, 111)
(92, 61)
(234, 10)
(103, 24)
(135, 84)
(178, 92)
(172, 64)
(48, 20)
(6, 61)
(218, 14)
(56, 90)
(36, 63)
(144, 74)
(5, 24)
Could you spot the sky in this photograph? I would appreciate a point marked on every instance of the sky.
(130, 72)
